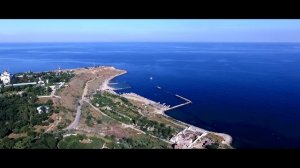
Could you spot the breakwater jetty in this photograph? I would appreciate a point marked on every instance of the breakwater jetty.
(180, 105)
(163, 107)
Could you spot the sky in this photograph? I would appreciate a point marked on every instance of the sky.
(149, 30)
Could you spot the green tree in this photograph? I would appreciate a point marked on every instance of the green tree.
(49, 90)
(46, 141)
(6, 143)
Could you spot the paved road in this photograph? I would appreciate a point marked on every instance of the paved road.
(75, 123)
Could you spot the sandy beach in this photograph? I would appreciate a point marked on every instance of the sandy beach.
(105, 84)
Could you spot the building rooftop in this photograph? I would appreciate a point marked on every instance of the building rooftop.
(42, 109)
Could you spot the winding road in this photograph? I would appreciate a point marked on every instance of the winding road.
(75, 123)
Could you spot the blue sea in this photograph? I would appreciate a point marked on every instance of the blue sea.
(248, 90)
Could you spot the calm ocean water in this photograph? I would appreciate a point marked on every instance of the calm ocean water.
(248, 90)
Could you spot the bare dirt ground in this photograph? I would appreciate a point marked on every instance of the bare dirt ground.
(16, 136)
(43, 99)
(56, 120)
(40, 128)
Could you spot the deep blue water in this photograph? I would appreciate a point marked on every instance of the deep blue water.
(248, 90)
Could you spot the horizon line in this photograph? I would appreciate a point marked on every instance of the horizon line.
(152, 42)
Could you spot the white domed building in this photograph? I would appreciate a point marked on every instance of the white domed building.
(5, 78)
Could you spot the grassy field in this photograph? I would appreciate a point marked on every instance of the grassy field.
(140, 141)
(80, 142)
(124, 111)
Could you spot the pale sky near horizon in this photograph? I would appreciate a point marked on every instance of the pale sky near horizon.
(150, 30)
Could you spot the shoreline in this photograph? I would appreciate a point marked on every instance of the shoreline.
(227, 138)
(105, 85)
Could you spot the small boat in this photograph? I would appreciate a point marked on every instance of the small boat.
(158, 87)
(151, 78)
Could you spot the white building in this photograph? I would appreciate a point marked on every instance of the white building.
(43, 109)
(5, 78)
(41, 82)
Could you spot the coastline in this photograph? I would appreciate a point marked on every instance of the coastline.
(227, 138)
(105, 85)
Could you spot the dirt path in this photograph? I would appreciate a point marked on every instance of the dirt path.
(54, 125)
(52, 95)
(127, 125)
